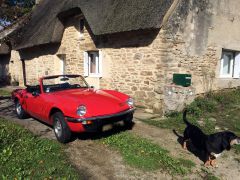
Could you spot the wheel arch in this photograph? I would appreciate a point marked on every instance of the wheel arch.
(52, 111)
(15, 99)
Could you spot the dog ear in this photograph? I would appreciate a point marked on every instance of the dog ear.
(226, 144)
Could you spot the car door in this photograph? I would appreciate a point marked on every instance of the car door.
(35, 103)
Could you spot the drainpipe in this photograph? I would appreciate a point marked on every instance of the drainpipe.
(24, 72)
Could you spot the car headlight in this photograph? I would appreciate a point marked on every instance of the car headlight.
(81, 110)
(130, 102)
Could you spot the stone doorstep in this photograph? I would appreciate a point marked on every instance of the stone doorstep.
(141, 114)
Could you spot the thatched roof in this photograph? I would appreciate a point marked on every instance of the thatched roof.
(103, 17)
(112, 16)
(4, 48)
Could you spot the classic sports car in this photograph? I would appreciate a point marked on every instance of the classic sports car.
(67, 103)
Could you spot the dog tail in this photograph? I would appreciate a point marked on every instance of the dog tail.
(175, 132)
(185, 117)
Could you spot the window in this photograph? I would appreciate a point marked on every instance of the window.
(81, 26)
(230, 64)
(93, 64)
(62, 63)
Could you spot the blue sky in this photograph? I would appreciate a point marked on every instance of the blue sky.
(3, 23)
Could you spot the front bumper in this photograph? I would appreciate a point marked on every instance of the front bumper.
(77, 120)
(96, 123)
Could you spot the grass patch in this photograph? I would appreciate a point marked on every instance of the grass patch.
(25, 156)
(143, 154)
(237, 149)
(4, 92)
(208, 175)
(220, 109)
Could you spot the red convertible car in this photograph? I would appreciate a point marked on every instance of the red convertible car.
(67, 103)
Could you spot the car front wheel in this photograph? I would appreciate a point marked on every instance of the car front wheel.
(61, 129)
(21, 113)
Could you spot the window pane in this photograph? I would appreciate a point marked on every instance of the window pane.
(82, 26)
(227, 64)
(93, 63)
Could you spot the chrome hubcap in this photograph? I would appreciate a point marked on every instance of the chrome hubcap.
(58, 128)
(18, 108)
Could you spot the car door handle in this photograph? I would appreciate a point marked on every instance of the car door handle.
(26, 96)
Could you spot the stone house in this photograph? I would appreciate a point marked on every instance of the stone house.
(134, 46)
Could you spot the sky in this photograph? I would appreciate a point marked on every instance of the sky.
(4, 23)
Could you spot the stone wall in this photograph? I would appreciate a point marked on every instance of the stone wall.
(142, 63)
(199, 31)
(137, 67)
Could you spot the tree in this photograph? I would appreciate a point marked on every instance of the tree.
(11, 10)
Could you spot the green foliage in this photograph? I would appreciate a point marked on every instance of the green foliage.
(237, 149)
(4, 92)
(223, 107)
(141, 153)
(11, 10)
(24, 156)
(209, 126)
(211, 177)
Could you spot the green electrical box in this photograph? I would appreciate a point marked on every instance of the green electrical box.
(182, 79)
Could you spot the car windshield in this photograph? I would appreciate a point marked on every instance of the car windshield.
(63, 82)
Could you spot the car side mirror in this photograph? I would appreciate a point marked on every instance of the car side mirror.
(34, 93)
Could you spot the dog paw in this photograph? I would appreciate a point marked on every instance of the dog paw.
(207, 164)
(213, 163)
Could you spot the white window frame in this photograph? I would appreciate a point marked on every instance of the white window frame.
(87, 63)
(236, 73)
(62, 58)
(230, 75)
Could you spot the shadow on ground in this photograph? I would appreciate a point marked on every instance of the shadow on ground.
(115, 129)
(191, 148)
(6, 106)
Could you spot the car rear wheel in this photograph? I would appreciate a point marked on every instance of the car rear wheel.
(128, 122)
(61, 129)
(21, 113)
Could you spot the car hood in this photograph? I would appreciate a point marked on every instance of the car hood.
(97, 102)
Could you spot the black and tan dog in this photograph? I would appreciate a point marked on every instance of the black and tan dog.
(212, 145)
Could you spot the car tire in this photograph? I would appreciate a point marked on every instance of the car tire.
(21, 113)
(61, 129)
(128, 122)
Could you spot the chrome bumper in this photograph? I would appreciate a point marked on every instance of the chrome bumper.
(77, 120)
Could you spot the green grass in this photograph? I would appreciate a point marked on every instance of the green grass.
(224, 107)
(237, 149)
(25, 156)
(4, 92)
(208, 175)
(143, 154)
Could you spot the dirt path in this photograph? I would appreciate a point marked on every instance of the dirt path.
(96, 161)
(100, 162)
(93, 159)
